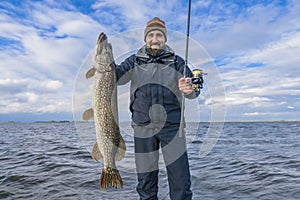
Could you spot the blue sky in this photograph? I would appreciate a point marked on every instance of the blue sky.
(254, 44)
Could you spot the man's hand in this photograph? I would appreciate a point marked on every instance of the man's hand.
(184, 85)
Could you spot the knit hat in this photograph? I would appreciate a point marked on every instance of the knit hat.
(155, 24)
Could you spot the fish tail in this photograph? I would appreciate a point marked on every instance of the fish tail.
(110, 176)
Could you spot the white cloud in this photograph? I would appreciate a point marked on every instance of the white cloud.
(253, 114)
(272, 44)
(28, 84)
(40, 62)
(51, 85)
(234, 29)
(132, 10)
(47, 44)
(30, 95)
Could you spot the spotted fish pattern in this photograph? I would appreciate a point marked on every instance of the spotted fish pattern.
(110, 145)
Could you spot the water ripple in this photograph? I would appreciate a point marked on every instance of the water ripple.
(250, 161)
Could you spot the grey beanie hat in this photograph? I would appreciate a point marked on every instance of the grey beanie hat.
(155, 24)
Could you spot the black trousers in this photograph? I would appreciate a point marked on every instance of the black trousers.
(147, 143)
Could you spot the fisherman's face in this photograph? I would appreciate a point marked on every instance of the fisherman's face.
(155, 40)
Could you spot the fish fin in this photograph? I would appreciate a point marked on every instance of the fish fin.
(88, 114)
(110, 176)
(121, 149)
(96, 154)
(90, 73)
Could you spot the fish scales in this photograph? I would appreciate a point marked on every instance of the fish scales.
(109, 145)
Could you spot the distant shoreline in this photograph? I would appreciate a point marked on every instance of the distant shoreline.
(228, 121)
(50, 121)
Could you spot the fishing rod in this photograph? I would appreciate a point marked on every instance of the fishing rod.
(197, 74)
(187, 38)
(181, 131)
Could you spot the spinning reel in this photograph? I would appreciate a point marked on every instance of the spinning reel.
(197, 79)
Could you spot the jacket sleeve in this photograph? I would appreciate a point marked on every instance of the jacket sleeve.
(181, 65)
(124, 70)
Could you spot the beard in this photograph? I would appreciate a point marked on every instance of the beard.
(155, 52)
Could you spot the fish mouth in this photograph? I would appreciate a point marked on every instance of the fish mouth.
(101, 42)
(101, 38)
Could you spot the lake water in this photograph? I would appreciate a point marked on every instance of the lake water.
(251, 160)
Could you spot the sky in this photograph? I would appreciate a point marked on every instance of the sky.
(253, 48)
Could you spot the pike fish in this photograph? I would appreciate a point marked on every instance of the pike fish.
(109, 143)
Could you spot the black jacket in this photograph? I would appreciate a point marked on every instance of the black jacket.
(154, 81)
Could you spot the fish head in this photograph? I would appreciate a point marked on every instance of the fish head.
(104, 55)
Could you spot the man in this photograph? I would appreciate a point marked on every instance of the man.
(157, 84)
